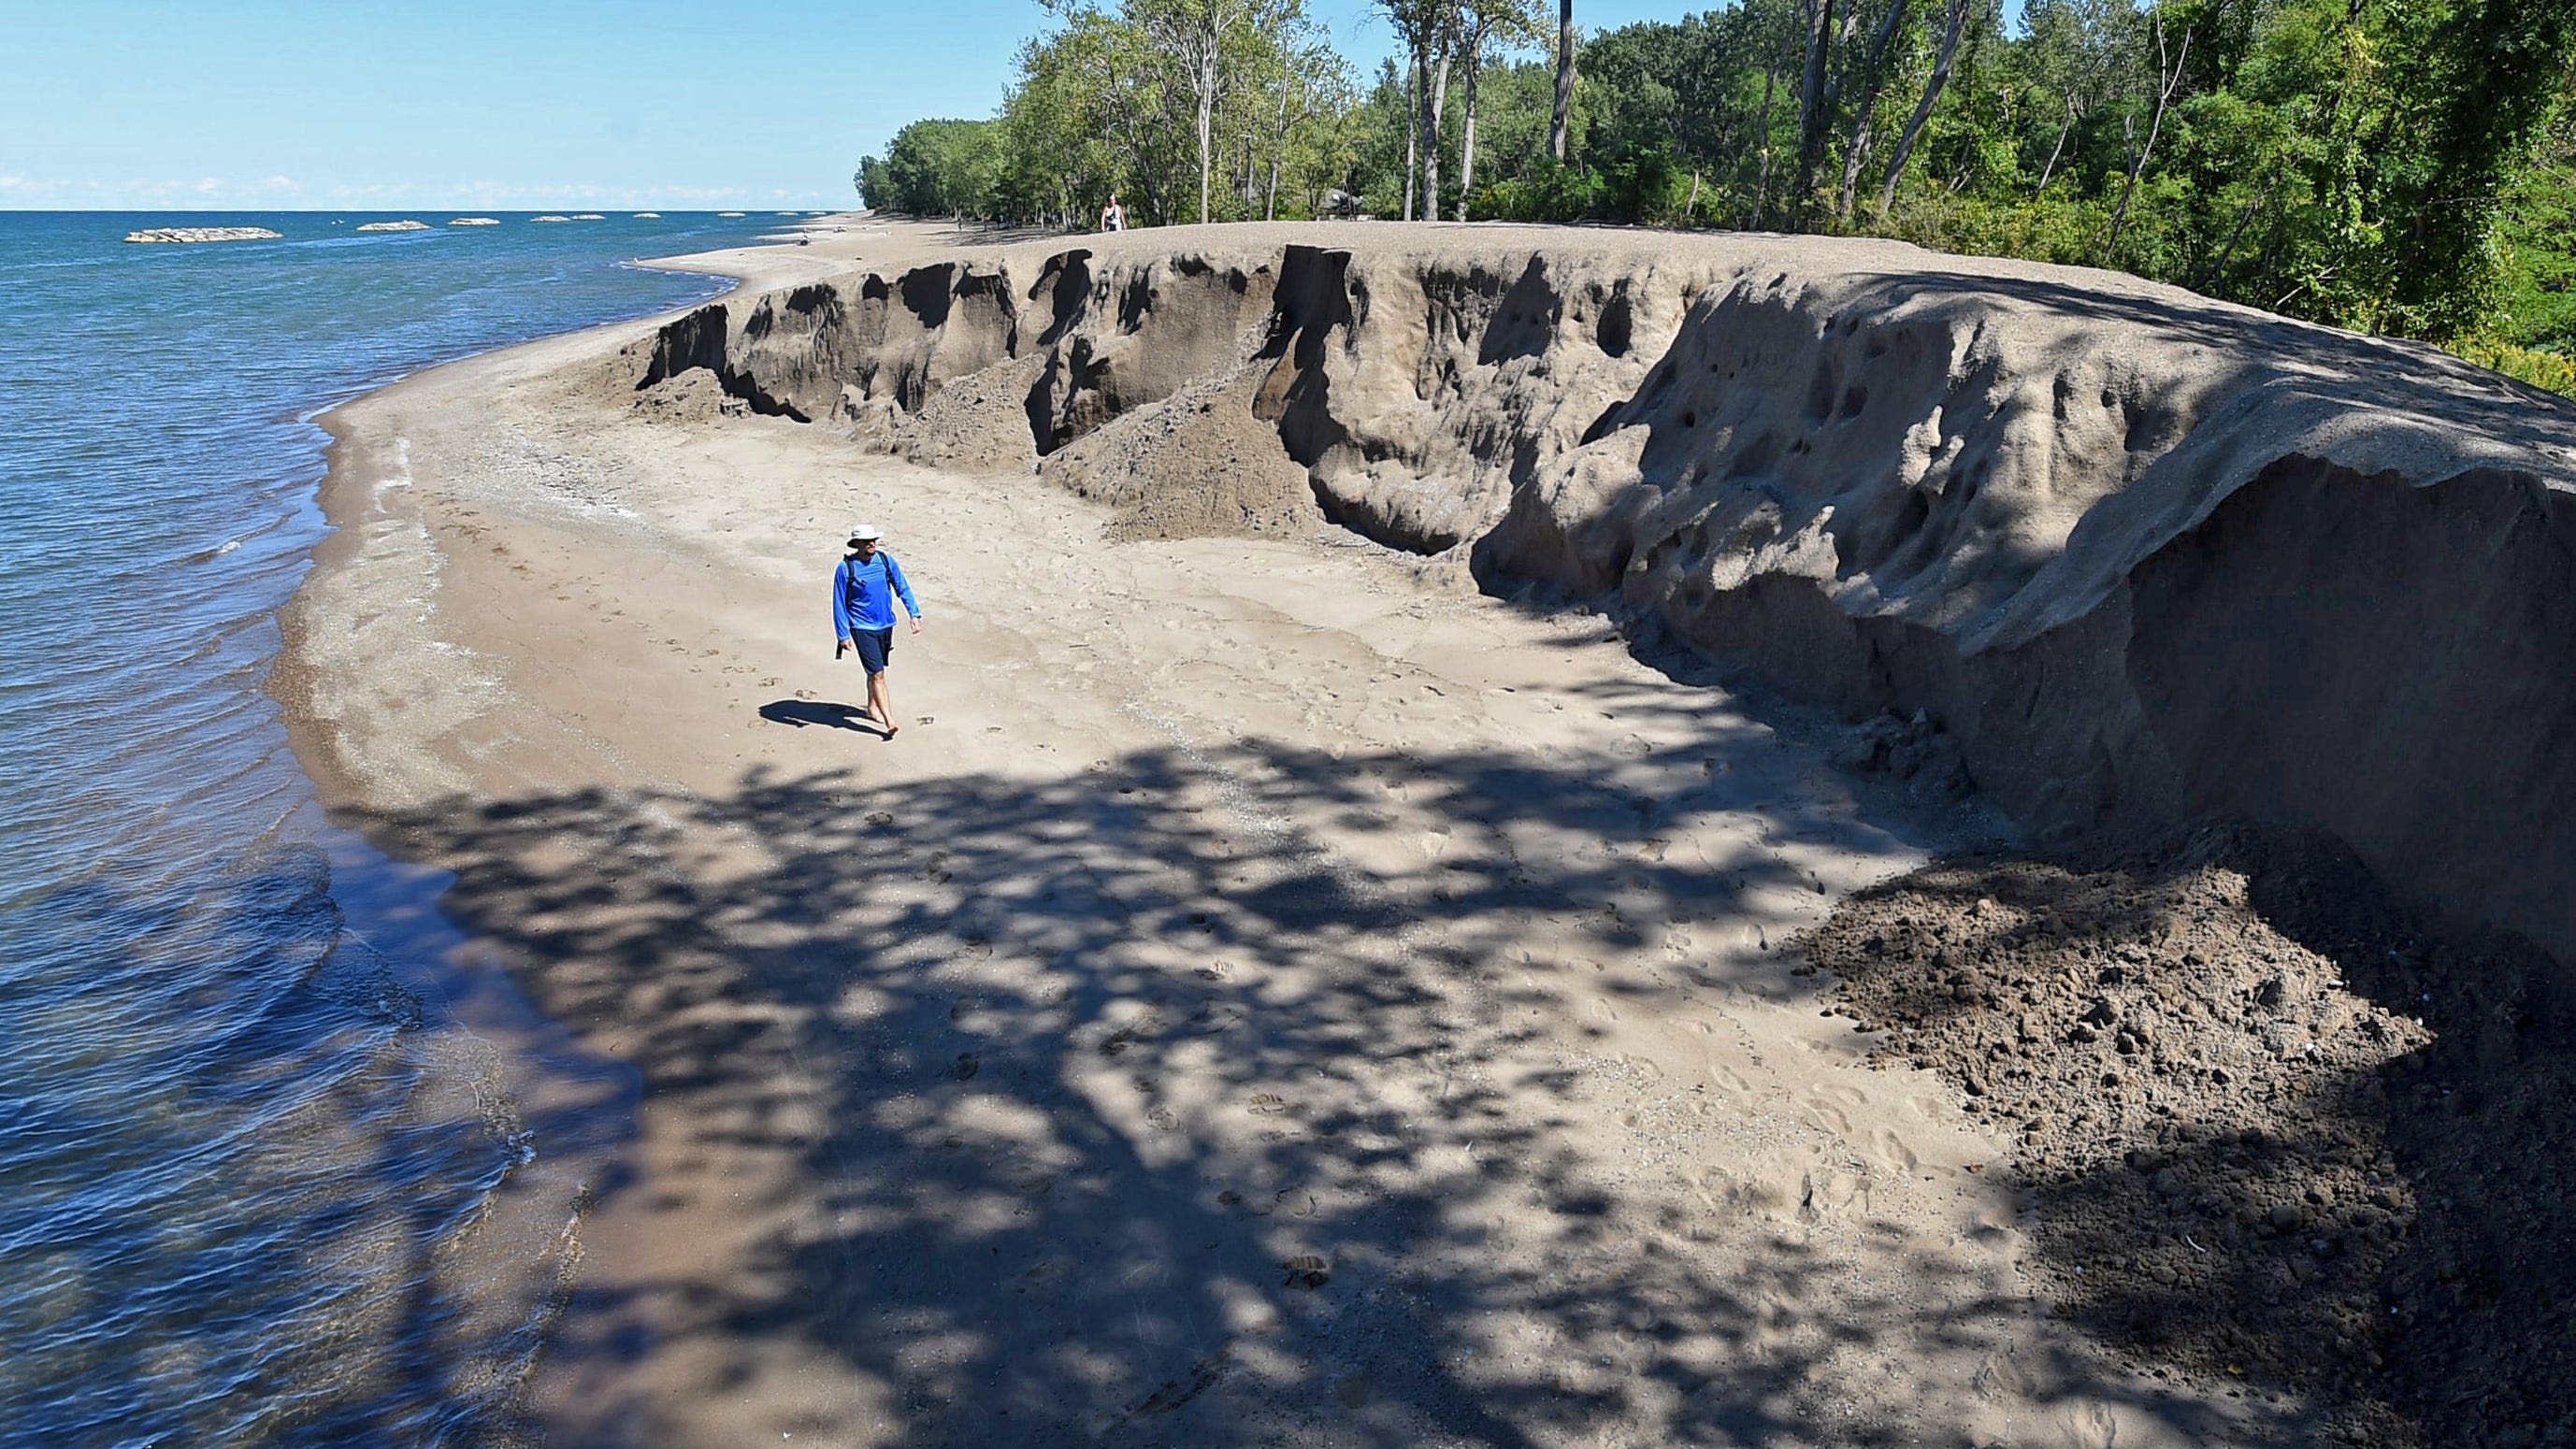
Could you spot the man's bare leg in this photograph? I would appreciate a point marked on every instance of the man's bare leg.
(881, 706)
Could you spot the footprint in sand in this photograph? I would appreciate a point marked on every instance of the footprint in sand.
(1775, 1322)
(2001, 1380)
(1891, 1149)
(2092, 1425)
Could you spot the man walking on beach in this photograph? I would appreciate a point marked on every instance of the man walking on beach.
(864, 589)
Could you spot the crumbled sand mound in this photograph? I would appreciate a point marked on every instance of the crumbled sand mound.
(1195, 465)
(975, 424)
(2271, 1128)
(2135, 555)
(687, 398)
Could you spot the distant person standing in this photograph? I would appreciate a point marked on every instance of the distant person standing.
(1113, 217)
(864, 589)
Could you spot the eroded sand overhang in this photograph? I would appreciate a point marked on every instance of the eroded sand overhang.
(2142, 555)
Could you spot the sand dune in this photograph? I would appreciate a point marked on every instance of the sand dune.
(2139, 554)
(1315, 967)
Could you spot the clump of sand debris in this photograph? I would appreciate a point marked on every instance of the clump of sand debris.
(2270, 1128)
(1195, 465)
(976, 424)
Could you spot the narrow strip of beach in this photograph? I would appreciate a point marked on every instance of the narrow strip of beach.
(1268, 993)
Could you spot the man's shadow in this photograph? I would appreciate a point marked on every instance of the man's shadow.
(803, 712)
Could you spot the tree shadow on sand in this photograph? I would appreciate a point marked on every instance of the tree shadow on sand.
(1117, 1108)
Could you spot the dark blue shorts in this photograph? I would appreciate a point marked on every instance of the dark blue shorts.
(874, 646)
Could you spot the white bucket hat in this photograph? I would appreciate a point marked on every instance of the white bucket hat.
(866, 533)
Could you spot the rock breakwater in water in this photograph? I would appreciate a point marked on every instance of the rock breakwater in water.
(2136, 556)
(181, 235)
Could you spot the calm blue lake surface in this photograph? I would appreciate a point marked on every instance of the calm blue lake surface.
(262, 1178)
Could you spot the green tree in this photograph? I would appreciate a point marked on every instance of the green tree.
(2400, 165)
(942, 168)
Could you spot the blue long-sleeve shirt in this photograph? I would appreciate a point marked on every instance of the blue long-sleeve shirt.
(863, 594)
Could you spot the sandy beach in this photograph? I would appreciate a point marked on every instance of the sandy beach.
(1272, 991)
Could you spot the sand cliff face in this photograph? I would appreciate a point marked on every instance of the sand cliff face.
(2141, 555)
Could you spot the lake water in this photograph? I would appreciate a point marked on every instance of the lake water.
(268, 1170)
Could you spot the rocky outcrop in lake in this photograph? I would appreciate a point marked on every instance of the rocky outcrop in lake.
(182, 235)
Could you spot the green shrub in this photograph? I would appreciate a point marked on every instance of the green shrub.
(2555, 371)
(1549, 191)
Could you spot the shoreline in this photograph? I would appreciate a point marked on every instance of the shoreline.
(577, 1103)
(346, 455)
(1265, 974)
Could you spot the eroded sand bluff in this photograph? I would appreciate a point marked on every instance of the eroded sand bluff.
(2140, 555)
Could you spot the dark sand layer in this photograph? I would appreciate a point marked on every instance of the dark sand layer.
(2274, 1125)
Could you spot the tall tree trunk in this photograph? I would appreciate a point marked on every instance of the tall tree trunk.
(1412, 130)
(2218, 264)
(1873, 83)
(1136, 148)
(1958, 22)
(1207, 122)
(1434, 98)
(1467, 127)
(2166, 85)
(1812, 100)
(1762, 183)
(2060, 148)
(1279, 141)
(1564, 79)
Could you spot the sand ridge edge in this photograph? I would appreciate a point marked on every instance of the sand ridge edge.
(2141, 555)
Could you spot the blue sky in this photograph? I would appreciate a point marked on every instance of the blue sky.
(387, 105)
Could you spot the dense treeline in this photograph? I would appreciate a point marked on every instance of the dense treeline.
(2405, 166)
